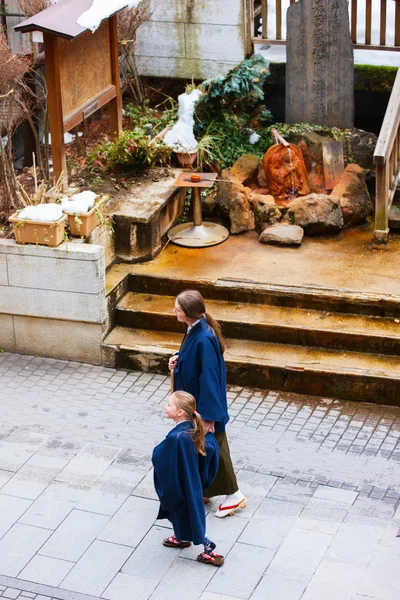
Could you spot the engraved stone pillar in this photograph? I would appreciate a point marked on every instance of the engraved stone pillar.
(319, 64)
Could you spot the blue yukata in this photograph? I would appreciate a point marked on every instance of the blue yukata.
(201, 371)
(180, 474)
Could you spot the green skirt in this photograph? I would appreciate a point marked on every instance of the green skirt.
(225, 481)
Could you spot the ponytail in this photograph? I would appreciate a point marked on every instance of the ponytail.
(192, 304)
(216, 327)
(187, 403)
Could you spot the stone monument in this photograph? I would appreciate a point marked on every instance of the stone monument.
(319, 64)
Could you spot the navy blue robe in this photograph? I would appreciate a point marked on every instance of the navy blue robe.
(180, 474)
(201, 371)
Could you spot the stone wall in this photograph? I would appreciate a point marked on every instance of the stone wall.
(192, 38)
(53, 300)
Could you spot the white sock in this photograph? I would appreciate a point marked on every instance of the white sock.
(233, 498)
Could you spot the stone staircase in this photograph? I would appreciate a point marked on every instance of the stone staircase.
(277, 337)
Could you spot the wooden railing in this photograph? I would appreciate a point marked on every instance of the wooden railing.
(387, 163)
(374, 24)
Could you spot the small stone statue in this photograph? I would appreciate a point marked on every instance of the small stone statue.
(285, 171)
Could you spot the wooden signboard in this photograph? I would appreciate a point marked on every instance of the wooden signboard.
(82, 76)
(332, 156)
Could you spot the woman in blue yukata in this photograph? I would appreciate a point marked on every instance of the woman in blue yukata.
(185, 462)
(199, 368)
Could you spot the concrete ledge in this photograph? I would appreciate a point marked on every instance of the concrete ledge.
(67, 251)
(185, 68)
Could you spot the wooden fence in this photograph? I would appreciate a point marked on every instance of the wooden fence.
(374, 24)
(387, 163)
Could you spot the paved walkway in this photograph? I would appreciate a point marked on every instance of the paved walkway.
(77, 505)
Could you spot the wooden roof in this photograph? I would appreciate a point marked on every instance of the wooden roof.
(59, 19)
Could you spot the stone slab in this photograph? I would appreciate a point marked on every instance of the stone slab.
(53, 304)
(182, 67)
(210, 42)
(55, 338)
(73, 537)
(212, 596)
(242, 571)
(211, 12)
(131, 523)
(97, 568)
(183, 571)
(325, 492)
(381, 577)
(34, 476)
(321, 516)
(18, 547)
(282, 235)
(145, 489)
(5, 476)
(255, 486)
(174, 11)
(357, 539)
(155, 39)
(126, 587)
(333, 580)
(278, 588)
(110, 491)
(18, 447)
(46, 570)
(299, 555)
(88, 465)
(271, 523)
(75, 251)
(11, 509)
(139, 564)
(57, 274)
(3, 270)
(52, 506)
(7, 338)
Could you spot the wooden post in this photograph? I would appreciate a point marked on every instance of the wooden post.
(115, 106)
(381, 209)
(52, 54)
(249, 27)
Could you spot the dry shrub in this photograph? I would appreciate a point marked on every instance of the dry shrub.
(33, 7)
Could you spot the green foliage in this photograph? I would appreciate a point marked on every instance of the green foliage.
(373, 78)
(131, 148)
(163, 115)
(239, 91)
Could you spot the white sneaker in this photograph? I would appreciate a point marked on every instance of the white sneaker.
(231, 504)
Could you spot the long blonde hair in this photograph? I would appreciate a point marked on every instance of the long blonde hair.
(186, 402)
(193, 305)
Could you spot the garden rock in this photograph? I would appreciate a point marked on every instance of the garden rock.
(261, 178)
(245, 168)
(240, 213)
(353, 194)
(282, 234)
(317, 214)
(362, 144)
(265, 210)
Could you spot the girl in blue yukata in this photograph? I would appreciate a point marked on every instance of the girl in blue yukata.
(184, 463)
(199, 368)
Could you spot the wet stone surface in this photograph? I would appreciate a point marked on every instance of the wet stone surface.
(321, 478)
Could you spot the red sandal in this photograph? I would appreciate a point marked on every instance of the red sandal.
(173, 542)
(211, 559)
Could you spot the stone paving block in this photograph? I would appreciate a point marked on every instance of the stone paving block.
(88, 465)
(46, 570)
(11, 593)
(97, 568)
(145, 489)
(52, 506)
(162, 558)
(72, 538)
(34, 476)
(18, 447)
(126, 587)
(321, 516)
(380, 578)
(255, 487)
(212, 596)
(357, 539)
(333, 580)
(18, 547)
(11, 510)
(337, 495)
(299, 555)
(131, 523)
(195, 576)
(242, 571)
(278, 588)
(271, 523)
(110, 491)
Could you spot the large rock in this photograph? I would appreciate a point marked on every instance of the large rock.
(240, 213)
(245, 168)
(265, 210)
(317, 214)
(353, 194)
(362, 145)
(282, 234)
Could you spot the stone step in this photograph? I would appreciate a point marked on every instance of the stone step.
(266, 323)
(239, 290)
(394, 217)
(327, 373)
